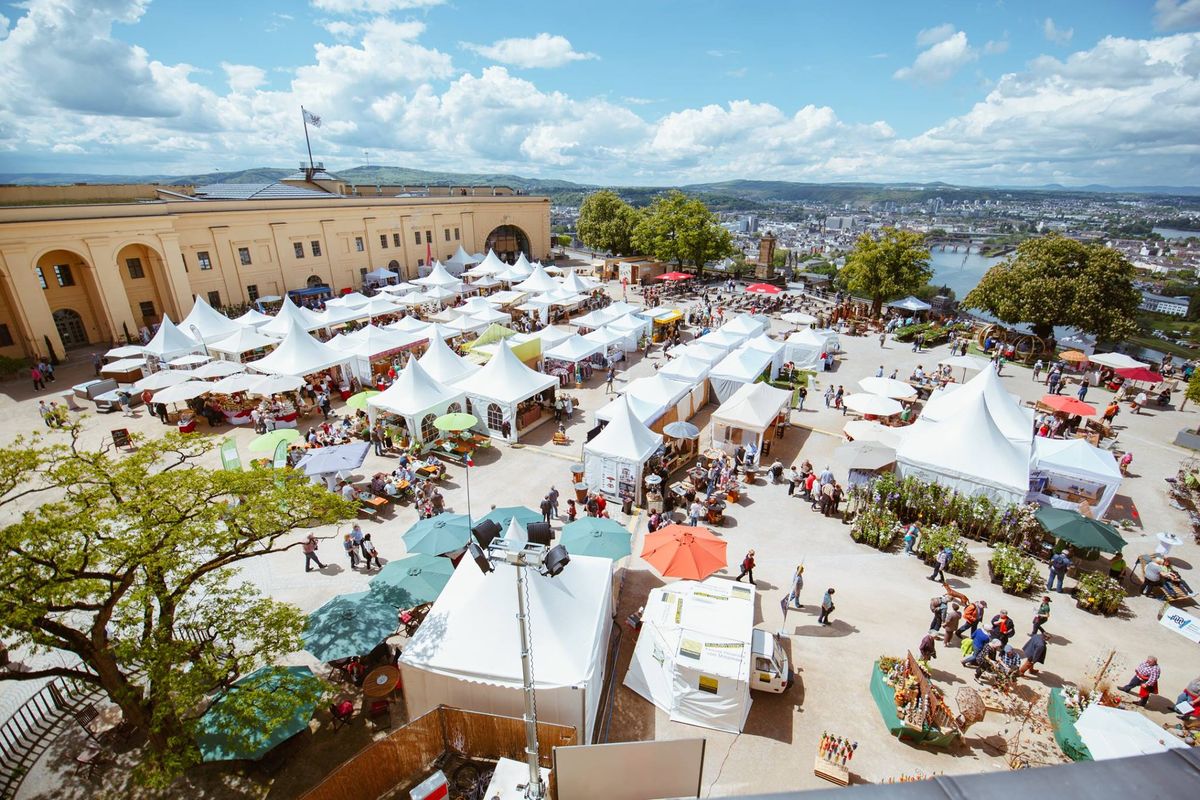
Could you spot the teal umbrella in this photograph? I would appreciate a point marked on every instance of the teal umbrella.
(412, 580)
(1081, 531)
(521, 514)
(443, 533)
(596, 536)
(258, 713)
(349, 625)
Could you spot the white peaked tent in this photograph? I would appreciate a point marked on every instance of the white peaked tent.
(984, 389)
(434, 330)
(340, 315)
(573, 349)
(490, 265)
(1116, 360)
(381, 275)
(170, 342)
(439, 277)
(646, 411)
(414, 396)
(246, 340)
(597, 318)
(288, 313)
(474, 305)
(631, 328)
(686, 368)
(348, 300)
(722, 340)
(458, 262)
(577, 283)
(538, 281)
(692, 657)
(1074, 464)
(604, 337)
(744, 365)
(443, 364)
(614, 459)
(367, 343)
(299, 354)
(522, 264)
(492, 315)
(406, 324)
(747, 415)
(672, 396)
(551, 335)
(768, 345)
(503, 382)
(701, 352)
(745, 325)
(253, 318)
(467, 653)
(804, 348)
(212, 324)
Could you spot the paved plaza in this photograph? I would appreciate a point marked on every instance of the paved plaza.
(882, 598)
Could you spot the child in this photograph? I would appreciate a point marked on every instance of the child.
(571, 511)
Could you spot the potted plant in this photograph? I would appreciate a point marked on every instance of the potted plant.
(877, 527)
(1099, 593)
(1012, 569)
(935, 537)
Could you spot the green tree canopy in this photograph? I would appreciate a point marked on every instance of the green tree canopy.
(606, 222)
(128, 562)
(1053, 280)
(681, 229)
(892, 265)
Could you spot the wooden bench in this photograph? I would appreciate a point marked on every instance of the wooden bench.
(1172, 591)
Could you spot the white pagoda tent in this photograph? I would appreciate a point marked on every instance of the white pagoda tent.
(170, 342)
(1077, 467)
(211, 324)
(348, 300)
(573, 349)
(490, 265)
(615, 458)
(368, 343)
(416, 398)
(768, 345)
(439, 277)
(289, 313)
(253, 318)
(744, 365)
(804, 348)
(747, 415)
(577, 283)
(443, 364)
(299, 354)
(499, 387)
(538, 281)
(246, 340)
(686, 368)
(745, 325)
(458, 262)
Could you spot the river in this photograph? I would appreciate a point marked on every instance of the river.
(1175, 233)
(959, 271)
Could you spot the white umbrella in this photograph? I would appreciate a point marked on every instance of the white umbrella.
(189, 360)
(872, 404)
(218, 369)
(182, 391)
(162, 379)
(125, 351)
(241, 382)
(887, 387)
(966, 362)
(799, 318)
(1116, 733)
(865, 430)
(274, 384)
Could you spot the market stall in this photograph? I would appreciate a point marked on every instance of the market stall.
(673, 397)
(415, 400)
(125, 370)
(443, 364)
(373, 350)
(1069, 472)
(725, 341)
(246, 344)
(666, 324)
(506, 396)
(301, 355)
(746, 325)
(752, 414)
(804, 349)
(743, 366)
(773, 347)
(633, 328)
(289, 313)
(208, 324)
(912, 707)
(573, 360)
(170, 342)
(615, 458)
(701, 352)
(597, 318)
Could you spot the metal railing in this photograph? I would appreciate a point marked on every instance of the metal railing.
(609, 698)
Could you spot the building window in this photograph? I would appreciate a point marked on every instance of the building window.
(396, 239)
(447, 232)
(214, 299)
(316, 248)
(41, 277)
(428, 237)
(147, 309)
(456, 234)
(358, 244)
(420, 262)
(383, 240)
(6, 339)
(62, 274)
(252, 292)
(244, 255)
(203, 260)
(297, 248)
(362, 273)
(417, 236)
(135, 268)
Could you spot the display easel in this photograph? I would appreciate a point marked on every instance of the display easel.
(833, 755)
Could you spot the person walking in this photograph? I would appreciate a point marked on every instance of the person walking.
(38, 379)
(801, 395)
(927, 649)
(97, 363)
(1082, 392)
(44, 410)
(351, 551)
(1038, 366)
(695, 512)
(608, 381)
(552, 496)
(882, 339)
(1059, 564)
(1052, 381)
(827, 607)
(950, 623)
(369, 553)
(838, 398)
(797, 586)
(972, 614)
(1111, 411)
(545, 507)
(910, 537)
(747, 567)
(310, 553)
(938, 606)
(1042, 616)
(1035, 652)
(940, 562)
(829, 396)
(1145, 680)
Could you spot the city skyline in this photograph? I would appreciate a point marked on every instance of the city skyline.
(997, 93)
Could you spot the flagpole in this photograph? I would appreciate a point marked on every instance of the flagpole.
(304, 119)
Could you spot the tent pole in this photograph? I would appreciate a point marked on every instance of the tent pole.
(535, 790)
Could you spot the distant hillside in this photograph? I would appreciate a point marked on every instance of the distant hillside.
(253, 175)
(405, 175)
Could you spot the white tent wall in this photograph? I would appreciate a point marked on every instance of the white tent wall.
(1075, 462)
(742, 366)
(606, 473)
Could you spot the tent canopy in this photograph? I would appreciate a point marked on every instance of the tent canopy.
(538, 281)
(211, 324)
(744, 325)
(911, 303)
(505, 379)
(1117, 733)
(288, 313)
(753, 407)
(625, 437)
(414, 393)
(744, 365)
(443, 364)
(686, 368)
(438, 276)
(1078, 459)
(984, 391)
(370, 341)
(299, 354)
(170, 342)
(574, 349)
(1116, 361)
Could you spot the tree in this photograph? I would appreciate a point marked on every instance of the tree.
(1192, 391)
(890, 266)
(681, 229)
(606, 222)
(128, 563)
(1053, 280)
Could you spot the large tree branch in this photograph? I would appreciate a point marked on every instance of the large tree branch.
(49, 672)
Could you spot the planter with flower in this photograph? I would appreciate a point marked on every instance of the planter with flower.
(1099, 594)
(1012, 569)
(877, 527)
(935, 537)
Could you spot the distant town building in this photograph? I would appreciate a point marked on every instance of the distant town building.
(1178, 306)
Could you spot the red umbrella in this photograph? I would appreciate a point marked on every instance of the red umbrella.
(763, 288)
(674, 276)
(683, 551)
(1139, 374)
(1068, 405)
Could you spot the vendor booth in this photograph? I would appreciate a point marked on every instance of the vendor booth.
(633, 328)
(803, 349)
(489, 265)
(439, 277)
(745, 325)
(687, 368)
(253, 318)
(701, 352)
(1067, 473)
(125, 370)
(983, 394)
(207, 323)
(742, 366)
(443, 364)
(910, 305)
(673, 397)
(666, 324)
(300, 354)
(727, 341)
(755, 413)
(505, 395)
(380, 277)
(416, 400)
(611, 341)
(597, 318)
(573, 360)
(458, 263)
(913, 708)
(170, 342)
(538, 281)
(246, 344)
(373, 350)
(615, 458)
(290, 313)
(693, 654)
(768, 345)
(467, 653)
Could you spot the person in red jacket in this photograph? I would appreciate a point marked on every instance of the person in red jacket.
(747, 567)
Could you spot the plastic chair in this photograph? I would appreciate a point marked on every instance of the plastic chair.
(342, 713)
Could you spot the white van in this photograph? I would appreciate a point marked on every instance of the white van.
(770, 671)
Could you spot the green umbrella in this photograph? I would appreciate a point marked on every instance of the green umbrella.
(359, 400)
(412, 580)
(443, 533)
(521, 514)
(596, 536)
(455, 422)
(270, 440)
(1081, 531)
(258, 713)
(349, 625)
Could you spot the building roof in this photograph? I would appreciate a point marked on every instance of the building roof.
(259, 191)
(318, 175)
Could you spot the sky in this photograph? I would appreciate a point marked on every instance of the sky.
(984, 92)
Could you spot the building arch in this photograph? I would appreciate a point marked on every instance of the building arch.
(509, 241)
(144, 280)
(315, 280)
(68, 282)
(71, 328)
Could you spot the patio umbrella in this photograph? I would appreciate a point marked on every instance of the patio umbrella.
(597, 536)
(274, 384)
(258, 713)
(681, 430)
(799, 318)
(1073, 356)
(338, 458)
(865, 430)
(1067, 405)
(674, 276)
(359, 400)
(412, 580)
(763, 288)
(1081, 531)
(162, 379)
(683, 551)
(865, 455)
(522, 514)
(349, 625)
(181, 392)
(218, 369)
(241, 382)
(872, 404)
(887, 387)
(190, 360)
(1140, 374)
(270, 440)
(439, 534)
(457, 421)
(966, 362)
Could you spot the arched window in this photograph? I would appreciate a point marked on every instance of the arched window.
(428, 432)
(315, 280)
(70, 327)
(495, 417)
(454, 408)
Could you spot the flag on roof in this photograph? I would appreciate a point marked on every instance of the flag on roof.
(311, 118)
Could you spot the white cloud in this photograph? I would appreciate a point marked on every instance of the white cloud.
(878, 55)
(638, 101)
(243, 78)
(340, 29)
(1172, 15)
(1055, 34)
(943, 57)
(996, 47)
(3, 26)
(544, 50)
(375, 7)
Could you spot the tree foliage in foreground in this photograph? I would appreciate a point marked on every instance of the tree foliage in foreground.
(606, 222)
(1053, 280)
(887, 267)
(681, 229)
(117, 558)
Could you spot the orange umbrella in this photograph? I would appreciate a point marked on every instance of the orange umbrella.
(763, 288)
(1073, 355)
(674, 276)
(683, 551)
(1068, 405)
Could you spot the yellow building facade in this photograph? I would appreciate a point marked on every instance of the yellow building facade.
(93, 274)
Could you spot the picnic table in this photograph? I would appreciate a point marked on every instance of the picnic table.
(381, 681)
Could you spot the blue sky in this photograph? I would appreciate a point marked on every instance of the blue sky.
(988, 92)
